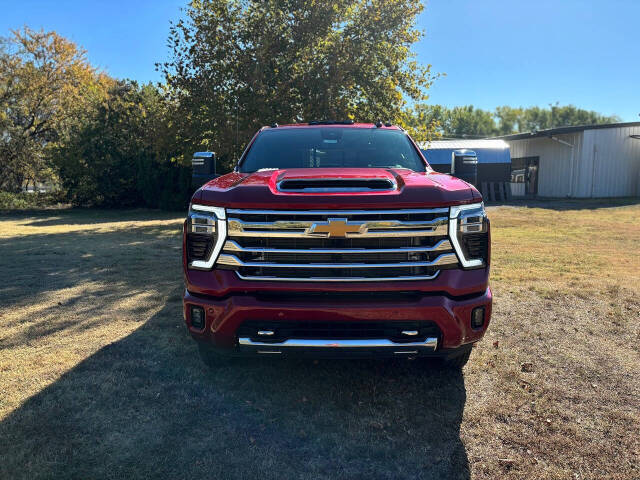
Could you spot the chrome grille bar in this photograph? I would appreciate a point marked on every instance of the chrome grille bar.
(442, 245)
(238, 228)
(444, 259)
(304, 224)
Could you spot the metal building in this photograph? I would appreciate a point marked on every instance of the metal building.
(494, 161)
(577, 162)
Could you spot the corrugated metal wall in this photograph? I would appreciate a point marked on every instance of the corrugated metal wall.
(606, 163)
(554, 172)
(610, 163)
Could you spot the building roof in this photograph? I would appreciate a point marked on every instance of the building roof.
(492, 150)
(562, 130)
(464, 143)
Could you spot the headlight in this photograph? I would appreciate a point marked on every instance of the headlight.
(469, 234)
(206, 231)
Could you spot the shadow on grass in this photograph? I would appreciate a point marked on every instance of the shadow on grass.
(564, 204)
(145, 405)
(41, 263)
(82, 216)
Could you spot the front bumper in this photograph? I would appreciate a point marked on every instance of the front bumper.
(452, 315)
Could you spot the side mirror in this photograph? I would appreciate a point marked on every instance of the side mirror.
(464, 165)
(203, 168)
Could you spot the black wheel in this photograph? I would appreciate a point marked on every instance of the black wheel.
(211, 357)
(457, 362)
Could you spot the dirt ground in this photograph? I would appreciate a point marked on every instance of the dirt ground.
(99, 379)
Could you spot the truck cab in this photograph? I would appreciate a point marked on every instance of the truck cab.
(338, 240)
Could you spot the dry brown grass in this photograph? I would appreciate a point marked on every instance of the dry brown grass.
(98, 378)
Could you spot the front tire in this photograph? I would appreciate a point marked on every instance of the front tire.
(458, 362)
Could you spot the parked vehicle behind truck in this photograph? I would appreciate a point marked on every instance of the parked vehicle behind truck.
(336, 239)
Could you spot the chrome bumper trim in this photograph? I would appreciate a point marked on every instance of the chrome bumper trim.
(431, 343)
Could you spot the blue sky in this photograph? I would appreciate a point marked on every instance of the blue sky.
(494, 52)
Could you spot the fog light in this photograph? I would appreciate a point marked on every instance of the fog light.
(477, 317)
(197, 317)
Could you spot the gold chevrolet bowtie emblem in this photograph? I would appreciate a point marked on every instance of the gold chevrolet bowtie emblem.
(336, 227)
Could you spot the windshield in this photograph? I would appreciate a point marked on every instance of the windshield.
(324, 147)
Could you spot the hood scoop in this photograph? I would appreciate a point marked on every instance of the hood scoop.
(336, 185)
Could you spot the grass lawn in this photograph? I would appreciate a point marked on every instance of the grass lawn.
(99, 379)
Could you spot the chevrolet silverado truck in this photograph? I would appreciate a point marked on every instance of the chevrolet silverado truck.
(336, 239)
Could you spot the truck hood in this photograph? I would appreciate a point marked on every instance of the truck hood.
(336, 188)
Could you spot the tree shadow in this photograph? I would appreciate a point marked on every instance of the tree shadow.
(564, 204)
(38, 264)
(146, 406)
(85, 216)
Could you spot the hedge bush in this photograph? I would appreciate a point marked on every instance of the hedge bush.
(28, 200)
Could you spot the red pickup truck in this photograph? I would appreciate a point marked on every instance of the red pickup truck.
(336, 239)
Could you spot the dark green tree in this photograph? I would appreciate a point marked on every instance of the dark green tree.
(508, 120)
(123, 152)
(536, 118)
(239, 64)
(470, 122)
(457, 122)
(45, 81)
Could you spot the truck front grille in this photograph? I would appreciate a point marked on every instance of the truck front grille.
(338, 245)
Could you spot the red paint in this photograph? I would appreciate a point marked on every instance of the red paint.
(452, 316)
(228, 301)
(414, 190)
(223, 283)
